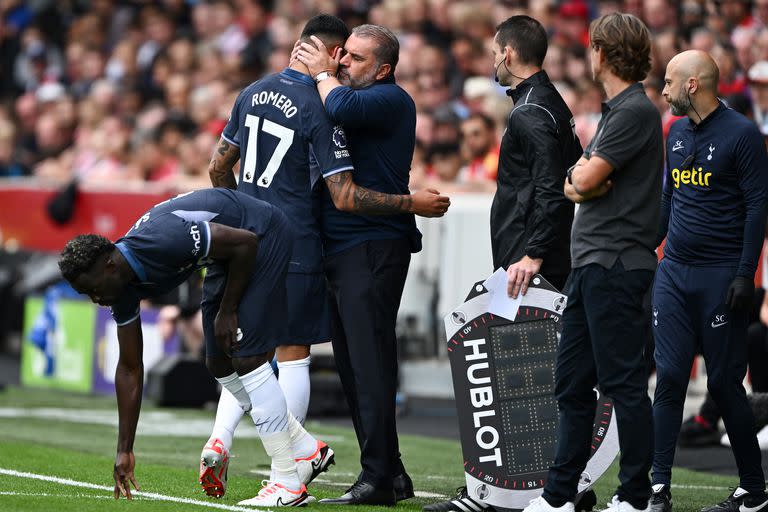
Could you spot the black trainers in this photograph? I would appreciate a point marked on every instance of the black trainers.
(696, 431)
(461, 503)
(661, 499)
(740, 501)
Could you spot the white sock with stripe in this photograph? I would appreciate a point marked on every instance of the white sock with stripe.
(270, 415)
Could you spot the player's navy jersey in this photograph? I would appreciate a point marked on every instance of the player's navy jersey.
(717, 183)
(172, 240)
(279, 123)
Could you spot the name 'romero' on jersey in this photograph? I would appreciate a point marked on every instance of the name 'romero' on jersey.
(279, 123)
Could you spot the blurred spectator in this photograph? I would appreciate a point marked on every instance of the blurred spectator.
(732, 80)
(10, 167)
(758, 86)
(480, 149)
(572, 26)
(742, 40)
(736, 12)
(659, 15)
(37, 61)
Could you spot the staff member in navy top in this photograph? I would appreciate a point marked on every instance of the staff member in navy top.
(367, 258)
(243, 311)
(713, 216)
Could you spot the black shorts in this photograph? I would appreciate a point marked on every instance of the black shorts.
(308, 309)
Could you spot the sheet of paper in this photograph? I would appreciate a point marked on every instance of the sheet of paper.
(501, 304)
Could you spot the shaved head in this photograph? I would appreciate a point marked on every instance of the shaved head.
(692, 77)
(695, 64)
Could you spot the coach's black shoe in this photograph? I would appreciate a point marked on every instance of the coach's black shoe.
(740, 501)
(461, 503)
(661, 499)
(363, 493)
(696, 431)
(403, 486)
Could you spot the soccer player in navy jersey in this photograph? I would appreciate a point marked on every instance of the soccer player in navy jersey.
(246, 244)
(286, 142)
(713, 216)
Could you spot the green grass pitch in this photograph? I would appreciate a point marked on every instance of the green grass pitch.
(73, 437)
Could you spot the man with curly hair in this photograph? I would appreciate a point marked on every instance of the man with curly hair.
(617, 183)
(248, 244)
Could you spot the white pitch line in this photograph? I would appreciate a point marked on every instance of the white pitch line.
(49, 495)
(700, 487)
(150, 495)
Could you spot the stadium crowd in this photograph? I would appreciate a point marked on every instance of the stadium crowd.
(124, 93)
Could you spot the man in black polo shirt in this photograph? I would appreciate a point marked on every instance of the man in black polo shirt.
(618, 184)
(530, 218)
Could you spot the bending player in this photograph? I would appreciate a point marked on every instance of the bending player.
(246, 244)
(279, 129)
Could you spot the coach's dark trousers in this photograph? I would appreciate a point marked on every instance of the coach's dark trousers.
(602, 343)
(366, 282)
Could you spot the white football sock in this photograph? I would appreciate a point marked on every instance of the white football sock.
(304, 444)
(270, 415)
(294, 379)
(228, 416)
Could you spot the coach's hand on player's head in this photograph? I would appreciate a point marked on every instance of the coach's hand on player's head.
(225, 331)
(429, 203)
(740, 294)
(520, 274)
(295, 52)
(317, 58)
(123, 474)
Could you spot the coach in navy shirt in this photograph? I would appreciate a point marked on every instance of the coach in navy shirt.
(367, 258)
(713, 216)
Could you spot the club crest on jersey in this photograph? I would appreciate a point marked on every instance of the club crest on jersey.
(339, 137)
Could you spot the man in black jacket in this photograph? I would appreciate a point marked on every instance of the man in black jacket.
(531, 218)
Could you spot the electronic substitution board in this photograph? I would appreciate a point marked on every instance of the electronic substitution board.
(504, 380)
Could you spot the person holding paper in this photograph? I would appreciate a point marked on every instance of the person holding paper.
(530, 218)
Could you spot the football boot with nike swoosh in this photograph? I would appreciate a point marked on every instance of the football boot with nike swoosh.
(741, 500)
(309, 467)
(273, 494)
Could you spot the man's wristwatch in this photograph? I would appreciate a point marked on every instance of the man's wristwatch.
(322, 76)
(569, 174)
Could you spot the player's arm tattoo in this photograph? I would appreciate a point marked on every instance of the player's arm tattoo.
(223, 160)
(350, 197)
